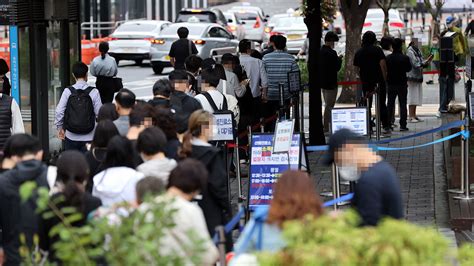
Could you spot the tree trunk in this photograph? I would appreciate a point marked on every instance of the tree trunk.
(314, 24)
(354, 16)
(385, 29)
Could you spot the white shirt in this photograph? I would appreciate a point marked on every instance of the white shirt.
(17, 120)
(217, 96)
(255, 72)
(231, 85)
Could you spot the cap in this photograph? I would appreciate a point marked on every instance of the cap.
(331, 37)
(338, 139)
(450, 20)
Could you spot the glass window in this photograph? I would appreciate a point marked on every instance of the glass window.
(136, 27)
(194, 30)
(290, 22)
(246, 16)
(203, 17)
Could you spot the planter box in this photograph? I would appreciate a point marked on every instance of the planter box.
(455, 180)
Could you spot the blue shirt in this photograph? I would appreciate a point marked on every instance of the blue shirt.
(61, 108)
(277, 66)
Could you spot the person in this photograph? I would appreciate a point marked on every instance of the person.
(107, 111)
(231, 85)
(377, 190)
(150, 144)
(4, 69)
(11, 121)
(277, 65)
(459, 42)
(415, 79)
(142, 116)
(386, 44)
(215, 201)
(294, 188)
(469, 28)
(420, 8)
(161, 94)
(434, 50)
(72, 173)
(193, 65)
(183, 104)
(370, 60)
(398, 65)
(257, 76)
(165, 121)
(271, 46)
(6, 162)
(304, 49)
(148, 187)
(76, 121)
(330, 64)
(116, 182)
(104, 67)
(124, 102)
(211, 99)
(17, 217)
(185, 183)
(181, 49)
(256, 54)
(95, 156)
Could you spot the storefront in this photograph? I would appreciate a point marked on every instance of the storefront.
(43, 38)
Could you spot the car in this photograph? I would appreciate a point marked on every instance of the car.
(374, 21)
(295, 31)
(254, 24)
(213, 15)
(211, 40)
(234, 26)
(132, 40)
(247, 7)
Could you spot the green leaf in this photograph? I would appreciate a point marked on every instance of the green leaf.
(26, 190)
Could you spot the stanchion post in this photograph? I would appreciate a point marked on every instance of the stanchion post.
(465, 159)
(302, 112)
(237, 170)
(221, 244)
(461, 190)
(378, 129)
(335, 184)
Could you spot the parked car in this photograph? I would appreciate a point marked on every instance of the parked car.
(246, 7)
(213, 15)
(132, 40)
(234, 26)
(254, 24)
(211, 40)
(295, 31)
(375, 17)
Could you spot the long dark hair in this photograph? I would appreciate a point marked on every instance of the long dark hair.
(197, 120)
(104, 131)
(72, 170)
(103, 49)
(119, 153)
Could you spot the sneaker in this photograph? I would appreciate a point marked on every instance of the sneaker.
(438, 114)
(387, 131)
(403, 129)
(443, 111)
(412, 120)
(419, 120)
(394, 125)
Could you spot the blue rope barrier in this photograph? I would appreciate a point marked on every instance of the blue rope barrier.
(338, 200)
(455, 135)
(231, 224)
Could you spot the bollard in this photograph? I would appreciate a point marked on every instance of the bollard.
(221, 244)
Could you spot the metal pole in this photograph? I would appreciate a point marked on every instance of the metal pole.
(465, 159)
(302, 112)
(237, 169)
(335, 184)
(149, 7)
(461, 190)
(173, 10)
(165, 13)
(378, 129)
(205, 3)
(158, 9)
(221, 244)
(91, 20)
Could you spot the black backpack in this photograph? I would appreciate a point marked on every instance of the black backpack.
(79, 117)
(223, 110)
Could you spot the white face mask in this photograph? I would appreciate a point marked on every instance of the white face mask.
(349, 172)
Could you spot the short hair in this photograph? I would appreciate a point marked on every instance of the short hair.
(183, 32)
(178, 75)
(148, 186)
(151, 141)
(227, 59)
(165, 121)
(244, 46)
(189, 176)
(193, 63)
(280, 42)
(397, 44)
(79, 70)
(211, 76)
(208, 63)
(4, 69)
(369, 38)
(104, 131)
(125, 98)
(256, 54)
(107, 112)
(140, 112)
(386, 42)
(162, 87)
(23, 144)
(272, 38)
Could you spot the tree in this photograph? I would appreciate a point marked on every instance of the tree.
(312, 14)
(354, 13)
(385, 5)
(435, 12)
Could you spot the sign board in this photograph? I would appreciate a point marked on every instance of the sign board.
(266, 167)
(14, 64)
(283, 136)
(355, 119)
(4, 12)
(223, 127)
(471, 105)
(294, 81)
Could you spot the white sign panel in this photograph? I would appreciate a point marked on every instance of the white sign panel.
(283, 136)
(222, 127)
(355, 119)
(471, 105)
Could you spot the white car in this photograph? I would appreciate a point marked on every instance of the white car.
(295, 31)
(234, 26)
(133, 39)
(246, 7)
(254, 24)
(374, 21)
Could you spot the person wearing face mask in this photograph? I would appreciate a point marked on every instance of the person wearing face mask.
(11, 121)
(377, 191)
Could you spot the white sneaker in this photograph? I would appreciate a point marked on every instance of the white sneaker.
(412, 120)
(438, 114)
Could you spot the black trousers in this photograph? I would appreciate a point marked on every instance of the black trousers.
(400, 91)
(382, 94)
(105, 85)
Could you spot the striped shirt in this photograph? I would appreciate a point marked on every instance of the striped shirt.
(277, 66)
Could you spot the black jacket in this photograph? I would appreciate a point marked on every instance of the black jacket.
(329, 66)
(17, 217)
(184, 105)
(215, 202)
(398, 65)
(160, 102)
